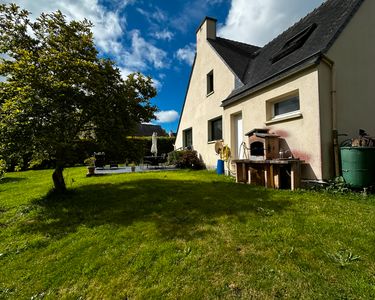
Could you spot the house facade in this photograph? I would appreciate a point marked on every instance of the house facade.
(310, 85)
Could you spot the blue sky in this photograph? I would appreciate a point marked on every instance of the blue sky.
(157, 37)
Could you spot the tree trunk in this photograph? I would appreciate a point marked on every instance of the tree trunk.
(58, 180)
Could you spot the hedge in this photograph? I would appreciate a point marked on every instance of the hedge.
(133, 149)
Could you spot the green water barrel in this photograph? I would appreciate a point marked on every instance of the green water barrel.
(358, 166)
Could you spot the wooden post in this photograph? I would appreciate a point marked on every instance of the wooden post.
(237, 172)
(276, 177)
(295, 174)
(244, 172)
(268, 175)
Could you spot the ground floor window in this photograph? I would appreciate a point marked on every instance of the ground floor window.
(215, 129)
(286, 106)
(187, 137)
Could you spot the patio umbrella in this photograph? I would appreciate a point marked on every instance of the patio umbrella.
(154, 146)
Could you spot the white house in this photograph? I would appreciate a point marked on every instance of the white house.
(310, 84)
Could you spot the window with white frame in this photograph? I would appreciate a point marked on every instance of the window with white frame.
(286, 106)
(283, 108)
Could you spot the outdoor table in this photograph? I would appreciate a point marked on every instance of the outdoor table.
(268, 172)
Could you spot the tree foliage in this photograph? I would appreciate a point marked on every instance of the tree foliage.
(2, 168)
(58, 90)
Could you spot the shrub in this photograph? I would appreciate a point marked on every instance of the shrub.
(338, 186)
(90, 161)
(186, 159)
(173, 157)
(3, 167)
(132, 149)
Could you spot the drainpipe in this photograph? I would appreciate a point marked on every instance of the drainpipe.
(333, 92)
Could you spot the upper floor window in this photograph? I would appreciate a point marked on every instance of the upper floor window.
(187, 136)
(215, 129)
(294, 43)
(210, 82)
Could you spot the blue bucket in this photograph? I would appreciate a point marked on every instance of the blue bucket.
(220, 167)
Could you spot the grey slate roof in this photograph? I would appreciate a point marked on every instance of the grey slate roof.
(149, 129)
(254, 66)
(236, 55)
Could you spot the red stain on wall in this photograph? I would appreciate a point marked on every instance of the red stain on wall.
(281, 133)
(301, 155)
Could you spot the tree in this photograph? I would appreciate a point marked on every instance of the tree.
(58, 90)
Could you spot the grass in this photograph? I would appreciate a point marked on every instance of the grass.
(188, 235)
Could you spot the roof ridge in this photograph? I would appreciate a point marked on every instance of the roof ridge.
(238, 42)
(290, 28)
(237, 47)
(342, 27)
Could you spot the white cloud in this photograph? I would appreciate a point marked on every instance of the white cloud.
(258, 22)
(108, 25)
(157, 19)
(193, 12)
(143, 54)
(157, 84)
(109, 31)
(186, 54)
(166, 116)
(124, 71)
(165, 35)
(157, 15)
(4, 57)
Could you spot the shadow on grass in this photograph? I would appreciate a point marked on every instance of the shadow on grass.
(179, 209)
(11, 179)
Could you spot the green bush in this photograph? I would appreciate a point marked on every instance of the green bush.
(135, 150)
(3, 167)
(338, 186)
(186, 159)
(174, 157)
(90, 161)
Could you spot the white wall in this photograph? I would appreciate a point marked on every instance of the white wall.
(302, 134)
(199, 108)
(354, 56)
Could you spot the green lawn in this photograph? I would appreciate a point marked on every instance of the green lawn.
(188, 235)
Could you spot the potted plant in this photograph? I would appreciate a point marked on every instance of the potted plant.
(90, 163)
(132, 166)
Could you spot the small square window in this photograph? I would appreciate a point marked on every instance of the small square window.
(210, 82)
(286, 106)
(187, 138)
(215, 129)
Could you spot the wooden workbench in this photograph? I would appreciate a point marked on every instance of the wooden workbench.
(270, 173)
